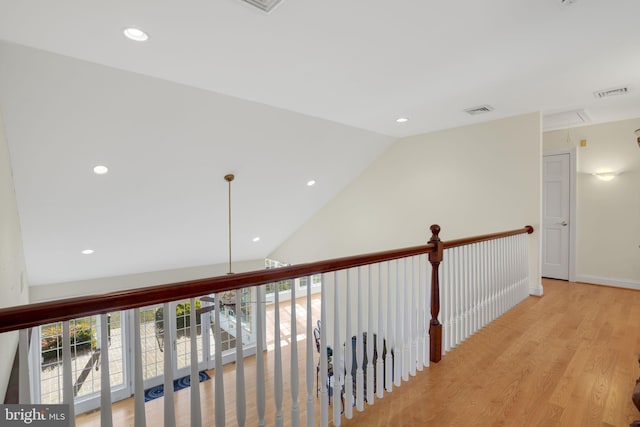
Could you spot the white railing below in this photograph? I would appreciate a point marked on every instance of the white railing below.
(373, 327)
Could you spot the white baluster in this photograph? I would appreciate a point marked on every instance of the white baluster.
(348, 355)
(519, 267)
(445, 291)
(421, 310)
(525, 264)
(463, 295)
(406, 324)
(390, 332)
(277, 377)
(413, 320)
(196, 412)
(503, 278)
(516, 271)
(67, 373)
(427, 308)
(512, 276)
(295, 409)
(380, 338)
(450, 261)
(309, 333)
(473, 305)
(496, 280)
(507, 269)
(337, 354)
(260, 384)
(359, 349)
(469, 278)
(500, 278)
(241, 412)
(519, 264)
(508, 265)
(106, 419)
(169, 408)
(140, 419)
(483, 284)
(488, 281)
(476, 287)
(457, 288)
(25, 385)
(219, 375)
(466, 293)
(370, 339)
(397, 341)
(324, 398)
(505, 274)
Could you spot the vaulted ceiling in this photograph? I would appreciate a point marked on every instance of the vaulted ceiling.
(311, 90)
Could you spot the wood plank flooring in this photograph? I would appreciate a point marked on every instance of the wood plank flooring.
(566, 359)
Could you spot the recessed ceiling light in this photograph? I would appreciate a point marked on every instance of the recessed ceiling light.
(256, 239)
(100, 170)
(136, 34)
(311, 182)
(88, 252)
(402, 120)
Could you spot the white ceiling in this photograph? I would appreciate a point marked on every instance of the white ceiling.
(170, 117)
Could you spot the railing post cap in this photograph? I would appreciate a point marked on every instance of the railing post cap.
(435, 230)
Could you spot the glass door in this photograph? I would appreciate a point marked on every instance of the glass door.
(284, 287)
(86, 351)
(229, 315)
(152, 344)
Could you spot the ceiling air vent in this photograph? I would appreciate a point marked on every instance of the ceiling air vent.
(611, 92)
(479, 110)
(265, 5)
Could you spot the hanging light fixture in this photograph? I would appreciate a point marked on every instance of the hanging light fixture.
(226, 297)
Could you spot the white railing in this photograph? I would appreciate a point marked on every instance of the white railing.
(386, 303)
(479, 282)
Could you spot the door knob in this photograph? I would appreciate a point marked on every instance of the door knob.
(563, 223)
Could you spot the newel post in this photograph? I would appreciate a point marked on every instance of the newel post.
(435, 328)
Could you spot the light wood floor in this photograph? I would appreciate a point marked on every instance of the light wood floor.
(566, 359)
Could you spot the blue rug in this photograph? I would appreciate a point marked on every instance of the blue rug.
(179, 384)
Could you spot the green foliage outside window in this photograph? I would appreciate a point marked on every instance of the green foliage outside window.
(183, 315)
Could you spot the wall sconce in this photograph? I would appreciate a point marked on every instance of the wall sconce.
(605, 176)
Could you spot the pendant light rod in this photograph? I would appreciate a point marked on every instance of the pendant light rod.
(229, 178)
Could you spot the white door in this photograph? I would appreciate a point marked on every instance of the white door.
(555, 216)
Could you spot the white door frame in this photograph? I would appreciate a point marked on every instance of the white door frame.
(573, 178)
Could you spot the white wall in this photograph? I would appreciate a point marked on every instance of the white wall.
(113, 284)
(13, 284)
(608, 213)
(470, 180)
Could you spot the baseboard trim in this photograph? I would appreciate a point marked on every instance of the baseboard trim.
(536, 290)
(605, 281)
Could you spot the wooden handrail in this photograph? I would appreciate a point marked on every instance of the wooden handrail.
(30, 315)
(483, 238)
